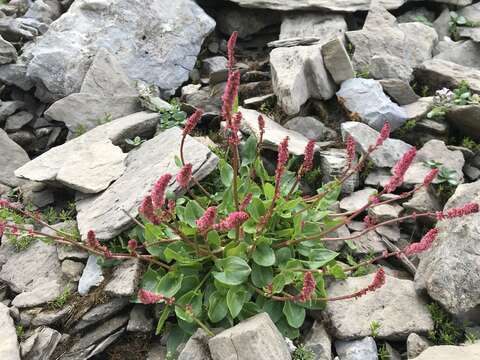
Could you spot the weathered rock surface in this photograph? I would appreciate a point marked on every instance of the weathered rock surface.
(92, 276)
(364, 349)
(254, 338)
(8, 53)
(8, 344)
(333, 5)
(415, 345)
(13, 157)
(153, 42)
(196, 347)
(313, 25)
(105, 214)
(449, 352)
(356, 200)
(465, 118)
(465, 53)
(319, 342)
(140, 319)
(419, 109)
(384, 157)
(333, 163)
(366, 98)
(400, 91)
(337, 61)
(41, 344)
(246, 22)
(90, 162)
(450, 271)
(311, 128)
(125, 279)
(101, 312)
(395, 306)
(298, 74)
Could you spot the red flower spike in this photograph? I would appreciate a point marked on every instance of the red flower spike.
(132, 246)
(184, 175)
(368, 222)
(467, 209)
(423, 245)
(5, 203)
(158, 191)
(207, 220)
(2, 228)
(430, 177)
(246, 201)
(229, 96)
(234, 128)
(146, 209)
(261, 125)
(309, 285)
(231, 50)
(351, 146)
(384, 135)
(378, 280)
(147, 297)
(233, 220)
(399, 171)
(192, 122)
(308, 157)
(281, 162)
(92, 240)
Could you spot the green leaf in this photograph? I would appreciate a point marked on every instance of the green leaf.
(269, 190)
(256, 209)
(193, 212)
(261, 276)
(235, 270)
(217, 307)
(150, 279)
(192, 298)
(286, 329)
(169, 284)
(176, 336)
(264, 255)
(320, 257)
(236, 297)
(226, 173)
(274, 309)
(213, 239)
(294, 314)
(337, 272)
(178, 162)
(280, 280)
(163, 317)
(249, 151)
(288, 179)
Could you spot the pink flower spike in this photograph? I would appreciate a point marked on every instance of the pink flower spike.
(5, 204)
(146, 209)
(2, 228)
(350, 151)
(184, 175)
(378, 280)
(147, 297)
(430, 177)
(132, 246)
(281, 162)
(368, 222)
(384, 135)
(233, 220)
(423, 245)
(231, 50)
(309, 285)
(261, 125)
(308, 157)
(399, 170)
(92, 240)
(234, 128)
(192, 122)
(246, 201)
(158, 191)
(207, 220)
(230, 95)
(467, 209)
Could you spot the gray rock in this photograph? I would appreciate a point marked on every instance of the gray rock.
(196, 347)
(41, 344)
(140, 33)
(423, 201)
(214, 64)
(369, 243)
(66, 252)
(298, 74)
(293, 42)
(16, 74)
(8, 53)
(352, 318)
(357, 199)
(400, 91)
(125, 278)
(385, 212)
(44, 11)
(333, 5)
(13, 157)
(366, 98)
(157, 352)
(311, 128)
(386, 156)
(318, 341)
(100, 313)
(378, 177)
(323, 26)
(465, 53)
(332, 165)
(140, 319)
(437, 126)
(274, 132)
(17, 121)
(441, 24)
(419, 109)
(257, 337)
(8, 108)
(92, 276)
(72, 270)
(37, 194)
(464, 118)
(449, 352)
(415, 14)
(92, 161)
(364, 349)
(104, 213)
(51, 317)
(472, 172)
(246, 22)
(437, 73)
(9, 347)
(450, 270)
(434, 150)
(416, 344)
(16, 29)
(337, 61)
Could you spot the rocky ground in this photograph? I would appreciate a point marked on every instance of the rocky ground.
(92, 92)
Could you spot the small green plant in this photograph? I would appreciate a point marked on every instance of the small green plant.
(445, 331)
(407, 127)
(173, 116)
(470, 144)
(105, 119)
(447, 176)
(375, 328)
(383, 353)
(19, 329)
(303, 353)
(457, 21)
(444, 99)
(365, 73)
(61, 299)
(471, 337)
(79, 130)
(422, 19)
(136, 141)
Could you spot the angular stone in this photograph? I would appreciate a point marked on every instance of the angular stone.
(416, 344)
(369, 243)
(332, 165)
(92, 276)
(450, 352)
(88, 149)
(323, 26)
(72, 269)
(337, 61)
(8, 53)
(100, 313)
(41, 344)
(385, 212)
(274, 132)
(365, 97)
(333, 5)
(400, 91)
(298, 74)
(465, 53)
(437, 73)
(465, 118)
(246, 22)
(384, 157)
(450, 271)
(51, 317)
(364, 349)
(356, 200)
(419, 109)
(13, 157)
(351, 319)
(257, 337)
(9, 346)
(416, 14)
(196, 347)
(311, 128)
(423, 201)
(140, 319)
(125, 278)
(435, 150)
(105, 214)
(138, 32)
(318, 341)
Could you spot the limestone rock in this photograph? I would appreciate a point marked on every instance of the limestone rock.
(332, 165)
(356, 200)
(465, 118)
(196, 347)
(311, 128)
(465, 53)
(351, 319)
(101, 312)
(416, 344)
(337, 61)
(419, 109)
(364, 349)
(319, 342)
(41, 344)
(246, 22)
(323, 26)
(13, 157)
(449, 352)
(125, 279)
(9, 344)
(104, 213)
(366, 98)
(140, 319)
(92, 276)
(400, 91)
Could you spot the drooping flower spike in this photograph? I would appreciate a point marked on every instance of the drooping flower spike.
(159, 190)
(350, 145)
(192, 122)
(233, 220)
(207, 220)
(232, 41)
(423, 245)
(467, 209)
(230, 95)
(281, 163)
(147, 297)
(308, 157)
(184, 175)
(399, 171)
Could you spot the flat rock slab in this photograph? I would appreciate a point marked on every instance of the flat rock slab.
(274, 132)
(105, 214)
(363, 349)
(154, 42)
(125, 279)
(13, 157)
(8, 344)
(90, 162)
(385, 156)
(395, 306)
(450, 352)
(465, 118)
(450, 271)
(333, 5)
